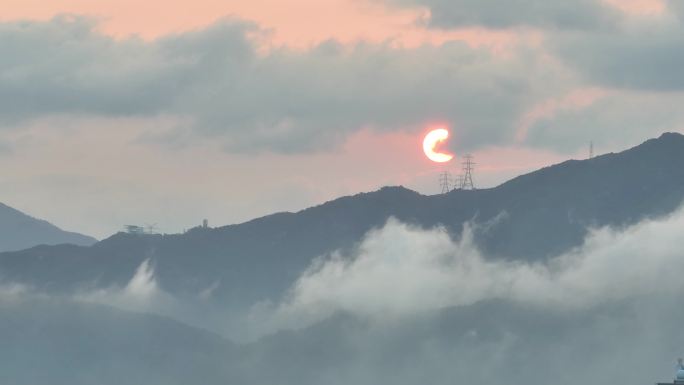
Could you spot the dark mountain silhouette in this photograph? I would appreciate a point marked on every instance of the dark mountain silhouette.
(531, 217)
(19, 231)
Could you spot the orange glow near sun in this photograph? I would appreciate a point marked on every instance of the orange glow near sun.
(432, 139)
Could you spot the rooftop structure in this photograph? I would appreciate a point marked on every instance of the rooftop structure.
(140, 230)
(134, 229)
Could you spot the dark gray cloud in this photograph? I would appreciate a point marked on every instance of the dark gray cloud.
(616, 120)
(555, 14)
(217, 81)
(63, 66)
(219, 85)
(637, 64)
(643, 55)
(607, 47)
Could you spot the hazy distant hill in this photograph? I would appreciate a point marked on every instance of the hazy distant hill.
(65, 343)
(530, 217)
(19, 231)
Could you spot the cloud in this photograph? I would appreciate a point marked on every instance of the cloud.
(221, 85)
(553, 14)
(400, 271)
(141, 293)
(10, 292)
(63, 66)
(641, 55)
(607, 46)
(612, 120)
(632, 68)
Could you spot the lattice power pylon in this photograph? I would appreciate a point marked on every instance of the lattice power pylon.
(458, 182)
(445, 182)
(468, 168)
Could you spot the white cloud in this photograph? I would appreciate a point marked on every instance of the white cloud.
(141, 293)
(14, 292)
(401, 270)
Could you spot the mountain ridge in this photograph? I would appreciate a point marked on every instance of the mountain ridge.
(532, 217)
(21, 231)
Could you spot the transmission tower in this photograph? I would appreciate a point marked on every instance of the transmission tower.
(591, 149)
(468, 167)
(458, 182)
(445, 182)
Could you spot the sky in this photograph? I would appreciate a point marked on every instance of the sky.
(114, 113)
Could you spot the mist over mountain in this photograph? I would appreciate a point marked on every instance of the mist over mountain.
(60, 342)
(19, 231)
(569, 275)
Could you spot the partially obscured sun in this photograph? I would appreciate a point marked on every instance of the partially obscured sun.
(432, 139)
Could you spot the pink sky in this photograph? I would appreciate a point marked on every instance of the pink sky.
(297, 23)
(294, 22)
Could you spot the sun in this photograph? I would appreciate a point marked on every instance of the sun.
(432, 139)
